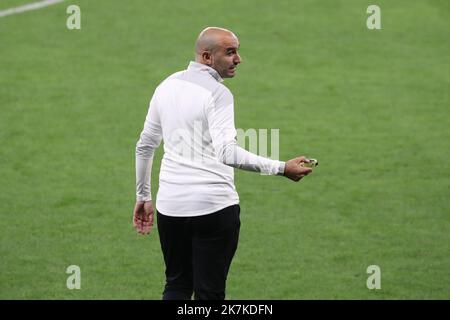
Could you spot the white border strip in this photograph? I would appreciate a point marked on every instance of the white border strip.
(28, 7)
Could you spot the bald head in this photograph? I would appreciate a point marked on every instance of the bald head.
(217, 48)
(211, 38)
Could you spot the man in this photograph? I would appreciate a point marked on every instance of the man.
(197, 203)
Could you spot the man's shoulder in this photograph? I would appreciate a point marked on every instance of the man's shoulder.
(176, 75)
(172, 76)
(215, 88)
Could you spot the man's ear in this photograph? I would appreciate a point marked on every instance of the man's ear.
(206, 56)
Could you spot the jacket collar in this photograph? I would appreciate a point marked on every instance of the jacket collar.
(200, 67)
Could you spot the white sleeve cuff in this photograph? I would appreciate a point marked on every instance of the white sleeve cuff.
(281, 168)
(143, 177)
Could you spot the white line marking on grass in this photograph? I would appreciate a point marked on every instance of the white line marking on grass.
(28, 7)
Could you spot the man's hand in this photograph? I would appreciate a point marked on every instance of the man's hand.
(294, 169)
(143, 217)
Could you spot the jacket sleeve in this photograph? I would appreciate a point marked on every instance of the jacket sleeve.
(220, 117)
(148, 142)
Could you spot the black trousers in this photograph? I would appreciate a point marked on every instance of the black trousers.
(198, 252)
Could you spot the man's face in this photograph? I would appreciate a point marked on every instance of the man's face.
(225, 57)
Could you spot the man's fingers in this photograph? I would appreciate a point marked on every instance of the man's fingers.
(146, 224)
(151, 218)
(137, 222)
(146, 229)
(302, 159)
(138, 208)
(305, 170)
(300, 176)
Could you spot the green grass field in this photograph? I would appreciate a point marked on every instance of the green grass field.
(371, 105)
